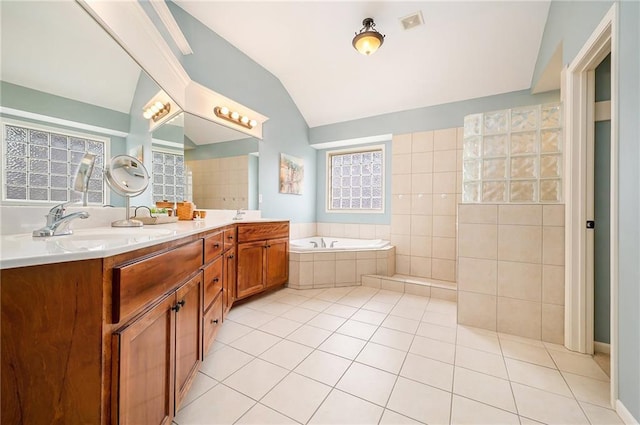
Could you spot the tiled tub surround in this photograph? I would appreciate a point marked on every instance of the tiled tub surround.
(511, 269)
(326, 269)
(220, 183)
(426, 186)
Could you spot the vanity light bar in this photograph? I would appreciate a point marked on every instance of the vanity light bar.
(234, 117)
(157, 110)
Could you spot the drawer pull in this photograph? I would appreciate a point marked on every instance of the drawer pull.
(216, 280)
(216, 245)
(214, 321)
(230, 237)
(178, 306)
(230, 256)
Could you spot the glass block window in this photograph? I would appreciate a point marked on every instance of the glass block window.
(168, 177)
(356, 180)
(40, 164)
(513, 155)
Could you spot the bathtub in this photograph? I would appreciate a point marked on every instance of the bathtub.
(344, 264)
(322, 243)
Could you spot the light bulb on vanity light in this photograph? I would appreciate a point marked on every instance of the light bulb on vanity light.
(253, 123)
(244, 120)
(235, 115)
(224, 110)
(147, 114)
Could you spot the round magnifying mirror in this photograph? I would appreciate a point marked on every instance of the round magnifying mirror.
(128, 177)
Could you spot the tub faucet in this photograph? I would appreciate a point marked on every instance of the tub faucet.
(58, 223)
(322, 243)
(332, 244)
(315, 244)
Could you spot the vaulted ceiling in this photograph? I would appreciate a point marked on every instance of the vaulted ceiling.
(464, 50)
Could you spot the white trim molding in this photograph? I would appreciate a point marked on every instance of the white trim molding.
(624, 414)
(171, 25)
(579, 117)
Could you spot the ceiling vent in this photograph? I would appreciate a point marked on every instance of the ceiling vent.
(412, 21)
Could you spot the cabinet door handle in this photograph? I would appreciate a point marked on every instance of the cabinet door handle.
(230, 237)
(268, 246)
(216, 245)
(216, 280)
(178, 306)
(214, 321)
(230, 256)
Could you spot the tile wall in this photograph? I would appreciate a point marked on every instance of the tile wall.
(511, 269)
(220, 183)
(426, 187)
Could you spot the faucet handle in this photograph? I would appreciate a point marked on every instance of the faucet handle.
(57, 211)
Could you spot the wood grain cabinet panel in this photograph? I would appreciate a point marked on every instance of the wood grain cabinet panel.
(213, 280)
(213, 245)
(211, 323)
(250, 268)
(229, 280)
(277, 264)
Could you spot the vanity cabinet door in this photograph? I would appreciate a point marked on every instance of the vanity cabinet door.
(250, 268)
(229, 280)
(143, 367)
(188, 335)
(277, 263)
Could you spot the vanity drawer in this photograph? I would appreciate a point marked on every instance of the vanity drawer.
(142, 282)
(212, 281)
(229, 238)
(260, 231)
(213, 246)
(212, 321)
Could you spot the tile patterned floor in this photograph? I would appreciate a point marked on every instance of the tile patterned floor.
(359, 355)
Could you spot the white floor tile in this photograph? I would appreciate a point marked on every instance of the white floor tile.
(601, 416)
(441, 333)
(438, 318)
(333, 294)
(412, 313)
(224, 362)
(287, 354)
(308, 335)
(378, 307)
(324, 367)
(420, 402)
(201, 384)
(414, 301)
(238, 311)
(341, 408)
(326, 321)
(230, 331)
(340, 310)
(219, 405)
(275, 308)
(478, 339)
(297, 397)
(590, 390)
(280, 327)
(382, 357)
(547, 407)
(389, 297)
(428, 371)
(315, 304)
(256, 342)
(368, 383)
(256, 378)
(579, 364)
(293, 299)
(527, 421)
(262, 415)
(389, 417)
(357, 329)
(526, 353)
(392, 338)
(297, 314)
(481, 361)
(442, 306)
(536, 376)
(353, 301)
(522, 340)
(470, 412)
(367, 316)
(254, 319)
(401, 324)
(433, 349)
(342, 345)
(484, 388)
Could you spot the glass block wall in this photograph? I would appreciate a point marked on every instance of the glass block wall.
(513, 155)
(168, 177)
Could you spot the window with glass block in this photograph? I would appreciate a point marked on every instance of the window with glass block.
(356, 180)
(513, 155)
(168, 177)
(40, 164)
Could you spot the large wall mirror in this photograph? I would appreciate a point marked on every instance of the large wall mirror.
(68, 88)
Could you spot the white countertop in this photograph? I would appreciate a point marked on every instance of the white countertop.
(21, 250)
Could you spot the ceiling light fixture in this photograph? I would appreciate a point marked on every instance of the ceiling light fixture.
(234, 117)
(368, 40)
(156, 110)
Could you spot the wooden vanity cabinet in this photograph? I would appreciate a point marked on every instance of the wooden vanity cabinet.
(263, 257)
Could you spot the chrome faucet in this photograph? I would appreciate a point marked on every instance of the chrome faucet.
(239, 213)
(322, 243)
(315, 244)
(332, 244)
(58, 223)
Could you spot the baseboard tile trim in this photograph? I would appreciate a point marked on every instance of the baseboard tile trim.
(601, 347)
(624, 414)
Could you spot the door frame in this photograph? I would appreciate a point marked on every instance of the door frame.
(579, 110)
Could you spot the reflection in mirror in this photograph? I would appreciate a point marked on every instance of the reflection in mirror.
(221, 163)
(67, 88)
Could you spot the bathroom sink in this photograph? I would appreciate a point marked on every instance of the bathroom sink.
(98, 238)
